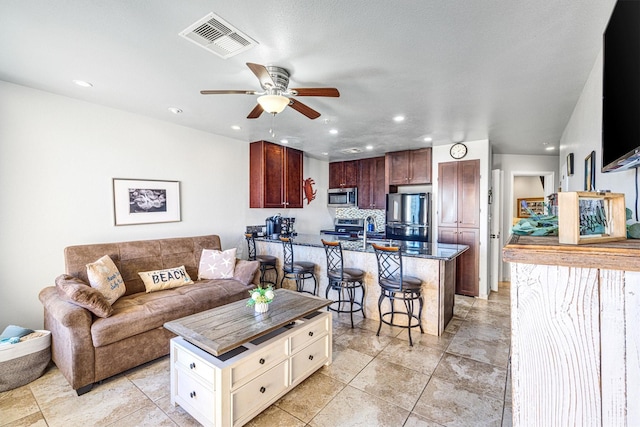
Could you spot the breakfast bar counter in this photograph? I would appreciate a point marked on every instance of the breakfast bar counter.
(434, 263)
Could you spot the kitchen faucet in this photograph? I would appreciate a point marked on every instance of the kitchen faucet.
(366, 226)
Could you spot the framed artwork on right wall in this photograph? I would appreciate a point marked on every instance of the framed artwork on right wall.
(590, 172)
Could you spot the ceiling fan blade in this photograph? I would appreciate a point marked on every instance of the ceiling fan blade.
(317, 91)
(301, 108)
(255, 113)
(262, 74)
(227, 92)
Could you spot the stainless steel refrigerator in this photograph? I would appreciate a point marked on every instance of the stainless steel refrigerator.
(409, 216)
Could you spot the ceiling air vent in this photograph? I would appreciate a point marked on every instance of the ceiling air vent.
(353, 150)
(218, 36)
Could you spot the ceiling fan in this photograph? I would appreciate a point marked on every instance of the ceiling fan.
(275, 94)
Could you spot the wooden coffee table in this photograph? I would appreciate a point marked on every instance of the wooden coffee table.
(230, 363)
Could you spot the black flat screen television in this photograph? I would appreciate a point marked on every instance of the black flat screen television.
(621, 88)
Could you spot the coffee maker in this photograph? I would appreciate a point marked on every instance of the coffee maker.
(274, 226)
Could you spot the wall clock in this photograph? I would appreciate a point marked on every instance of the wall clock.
(458, 150)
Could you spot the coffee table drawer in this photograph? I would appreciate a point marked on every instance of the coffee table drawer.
(194, 364)
(309, 359)
(194, 394)
(252, 396)
(310, 333)
(258, 363)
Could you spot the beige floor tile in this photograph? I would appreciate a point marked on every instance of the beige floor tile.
(346, 364)
(150, 416)
(152, 378)
(419, 358)
(394, 383)
(416, 420)
(176, 413)
(428, 340)
(386, 330)
(477, 377)
(353, 407)
(471, 343)
(361, 340)
(51, 386)
(274, 416)
(33, 420)
(507, 416)
(104, 404)
(17, 404)
(454, 325)
(308, 398)
(450, 405)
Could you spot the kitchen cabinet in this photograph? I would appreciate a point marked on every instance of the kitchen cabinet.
(371, 189)
(467, 264)
(343, 174)
(459, 218)
(275, 176)
(409, 167)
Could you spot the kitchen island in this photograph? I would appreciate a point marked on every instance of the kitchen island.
(433, 263)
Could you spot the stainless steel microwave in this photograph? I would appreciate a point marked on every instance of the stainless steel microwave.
(342, 198)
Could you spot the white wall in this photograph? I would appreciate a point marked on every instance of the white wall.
(476, 150)
(57, 159)
(583, 135)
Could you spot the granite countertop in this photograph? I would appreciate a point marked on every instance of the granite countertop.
(429, 250)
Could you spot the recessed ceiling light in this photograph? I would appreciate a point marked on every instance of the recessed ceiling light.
(284, 141)
(398, 119)
(175, 110)
(428, 139)
(83, 83)
(236, 127)
(325, 154)
(550, 148)
(333, 131)
(369, 147)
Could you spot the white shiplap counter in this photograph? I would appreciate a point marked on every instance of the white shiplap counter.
(575, 332)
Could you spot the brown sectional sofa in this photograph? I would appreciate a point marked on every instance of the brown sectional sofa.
(87, 348)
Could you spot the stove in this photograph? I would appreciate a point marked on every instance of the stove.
(346, 227)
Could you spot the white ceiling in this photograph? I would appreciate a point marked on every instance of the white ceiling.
(458, 70)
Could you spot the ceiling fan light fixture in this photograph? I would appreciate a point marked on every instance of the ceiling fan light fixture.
(273, 104)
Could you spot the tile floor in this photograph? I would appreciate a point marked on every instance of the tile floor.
(459, 379)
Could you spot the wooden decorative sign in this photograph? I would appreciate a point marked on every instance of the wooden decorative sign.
(591, 217)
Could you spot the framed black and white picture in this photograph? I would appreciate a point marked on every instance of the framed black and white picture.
(590, 172)
(570, 164)
(137, 201)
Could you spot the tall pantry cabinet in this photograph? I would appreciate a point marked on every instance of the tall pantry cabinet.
(459, 218)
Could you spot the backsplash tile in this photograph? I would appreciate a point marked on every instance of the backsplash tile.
(377, 214)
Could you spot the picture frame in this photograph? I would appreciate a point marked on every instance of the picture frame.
(535, 204)
(145, 201)
(591, 217)
(570, 164)
(590, 172)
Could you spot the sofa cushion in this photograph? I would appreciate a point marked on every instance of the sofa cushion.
(141, 312)
(165, 279)
(216, 264)
(245, 271)
(105, 277)
(83, 295)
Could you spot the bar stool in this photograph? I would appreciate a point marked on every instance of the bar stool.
(343, 279)
(267, 262)
(395, 286)
(297, 270)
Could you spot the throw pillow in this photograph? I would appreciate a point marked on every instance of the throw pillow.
(165, 279)
(216, 264)
(83, 295)
(105, 277)
(245, 271)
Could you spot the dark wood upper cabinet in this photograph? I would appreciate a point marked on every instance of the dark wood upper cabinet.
(343, 174)
(409, 167)
(371, 194)
(275, 176)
